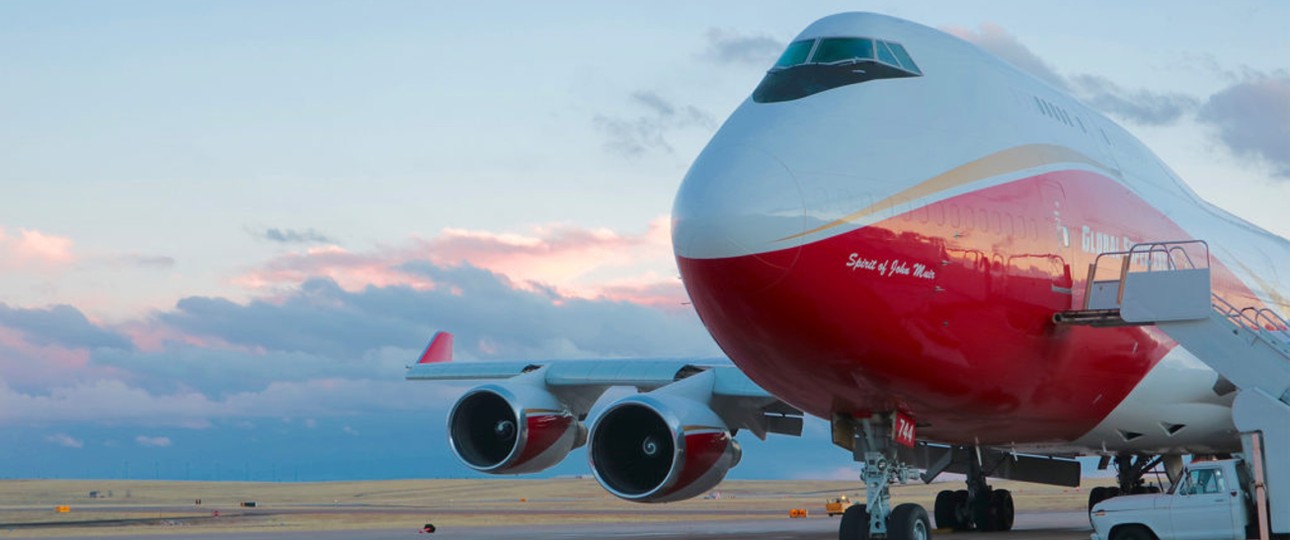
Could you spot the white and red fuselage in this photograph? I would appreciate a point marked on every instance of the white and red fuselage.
(902, 244)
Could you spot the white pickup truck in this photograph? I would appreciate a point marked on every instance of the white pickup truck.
(1209, 502)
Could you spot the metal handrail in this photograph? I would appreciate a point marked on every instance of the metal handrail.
(1168, 248)
(1271, 318)
(1238, 317)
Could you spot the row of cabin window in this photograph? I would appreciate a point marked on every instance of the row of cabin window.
(949, 214)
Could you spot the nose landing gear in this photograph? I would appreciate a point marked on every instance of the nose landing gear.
(871, 442)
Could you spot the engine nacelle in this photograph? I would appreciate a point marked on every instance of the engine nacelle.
(512, 429)
(660, 448)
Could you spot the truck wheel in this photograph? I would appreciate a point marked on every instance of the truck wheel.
(1132, 532)
(909, 522)
(855, 524)
(945, 510)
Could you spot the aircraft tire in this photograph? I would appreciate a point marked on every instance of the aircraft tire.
(854, 524)
(946, 510)
(1003, 509)
(961, 511)
(909, 522)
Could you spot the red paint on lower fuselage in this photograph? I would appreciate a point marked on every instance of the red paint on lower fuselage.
(945, 312)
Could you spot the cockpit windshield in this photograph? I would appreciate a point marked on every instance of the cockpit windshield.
(811, 66)
(795, 54)
(843, 49)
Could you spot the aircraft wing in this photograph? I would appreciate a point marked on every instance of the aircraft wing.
(735, 397)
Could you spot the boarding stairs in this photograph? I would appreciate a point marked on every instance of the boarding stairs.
(1167, 285)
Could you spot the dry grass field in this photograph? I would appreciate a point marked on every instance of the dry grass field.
(169, 507)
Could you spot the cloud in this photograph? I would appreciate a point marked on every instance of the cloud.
(309, 346)
(1252, 119)
(119, 402)
(634, 137)
(1138, 106)
(575, 261)
(32, 248)
(323, 319)
(61, 325)
(293, 236)
(732, 47)
(152, 442)
(65, 440)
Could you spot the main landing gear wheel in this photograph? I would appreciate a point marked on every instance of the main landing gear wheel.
(855, 524)
(951, 510)
(946, 510)
(1001, 510)
(909, 522)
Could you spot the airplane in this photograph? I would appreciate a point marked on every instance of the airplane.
(884, 235)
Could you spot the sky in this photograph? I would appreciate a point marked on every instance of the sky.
(226, 227)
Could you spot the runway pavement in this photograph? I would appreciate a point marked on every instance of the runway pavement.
(1029, 526)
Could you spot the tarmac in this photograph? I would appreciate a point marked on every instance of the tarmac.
(1028, 526)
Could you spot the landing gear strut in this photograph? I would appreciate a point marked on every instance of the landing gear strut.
(1129, 470)
(978, 507)
(872, 444)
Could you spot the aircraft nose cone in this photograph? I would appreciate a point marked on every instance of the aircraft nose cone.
(739, 200)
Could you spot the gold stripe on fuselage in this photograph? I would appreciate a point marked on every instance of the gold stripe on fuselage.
(1013, 159)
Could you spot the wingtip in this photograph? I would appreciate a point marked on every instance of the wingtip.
(439, 349)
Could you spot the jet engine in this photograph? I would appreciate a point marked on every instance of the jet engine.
(512, 429)
(660, 448)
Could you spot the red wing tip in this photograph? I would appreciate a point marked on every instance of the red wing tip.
(439, 349)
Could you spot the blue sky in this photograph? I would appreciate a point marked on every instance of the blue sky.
(227, 226)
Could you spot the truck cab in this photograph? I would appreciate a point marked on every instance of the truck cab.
(1208, 502)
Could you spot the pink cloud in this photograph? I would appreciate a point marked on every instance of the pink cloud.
(573, 261)
(352, 271)
(26, 363)
(151, 335)
(34, 248)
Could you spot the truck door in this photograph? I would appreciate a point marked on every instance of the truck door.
(1202, 506)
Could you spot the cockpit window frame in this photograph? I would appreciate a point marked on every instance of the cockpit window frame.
(819, 44)
(898, 59)
(811, 76)
(902, 56)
